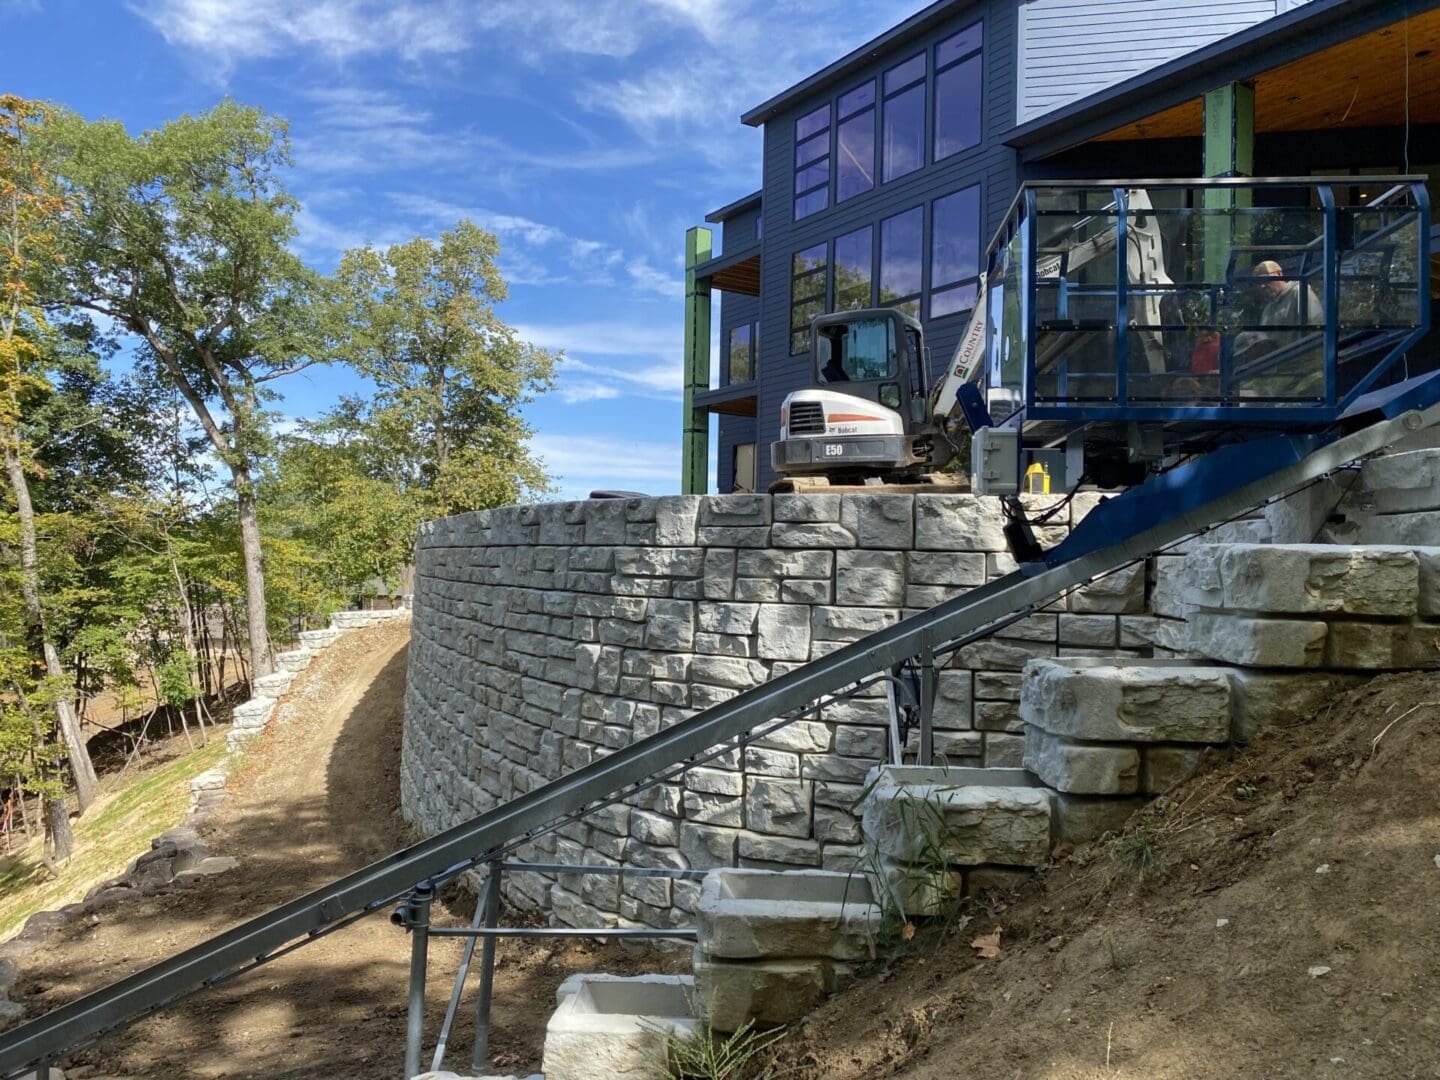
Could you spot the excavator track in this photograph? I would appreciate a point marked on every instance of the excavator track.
(929, 484)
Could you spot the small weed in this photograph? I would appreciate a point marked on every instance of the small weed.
(923, 884)
(1138, 848)
(1112, 955)
(744, 1055)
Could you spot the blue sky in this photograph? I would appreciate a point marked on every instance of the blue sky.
(587, 134)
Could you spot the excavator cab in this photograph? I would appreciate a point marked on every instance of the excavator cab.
(867, 412)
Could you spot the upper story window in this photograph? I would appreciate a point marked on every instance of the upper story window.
(903, 121)
(809, 270)
(902, 247)
(741, 352)
(812, 162)
(854, 262)
(855, 142)
(957, 92)
(954, 252)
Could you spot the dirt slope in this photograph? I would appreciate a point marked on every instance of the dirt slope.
(317, 798)
(1116, 963)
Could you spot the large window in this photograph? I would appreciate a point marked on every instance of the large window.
(742, 351)
(808, 271)
(855, 142)
(812, 162)
(954, 252)
(957, 92)
(854, 258)
(903, 134)
(902, 241)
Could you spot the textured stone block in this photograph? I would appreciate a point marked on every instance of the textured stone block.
(959, 523)
(1163, 767)
(675, 520)
(817, 535)
(783, 632)
(1082, 818)
(880, 521)
(807, 508)
(1081, 768)
(1127, 703)
(760, 914)
(619, 1027)
(850, 624)
(960, 568)
(1402, 483)
(1304, 579)
(870, 578)
(1260, 699)
(778, 807)
(1118, 593)
(1366, 646)
(730, 993)
(1238, 639)
(976, 815)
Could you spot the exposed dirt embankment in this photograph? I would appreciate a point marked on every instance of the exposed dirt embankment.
(1277, 916)
(316, 797)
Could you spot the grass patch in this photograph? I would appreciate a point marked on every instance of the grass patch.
(118, 827)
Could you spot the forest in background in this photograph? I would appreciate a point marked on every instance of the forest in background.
(164, 530)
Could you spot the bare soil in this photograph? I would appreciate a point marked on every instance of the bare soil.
(1276, 916)
(317, 798)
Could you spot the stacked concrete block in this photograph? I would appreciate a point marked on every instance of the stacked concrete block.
(547, 637)
(771, 945)
(934, 833)
(609, 1026)
(1315, 606)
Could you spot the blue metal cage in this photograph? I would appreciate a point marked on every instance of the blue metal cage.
(1205, 305)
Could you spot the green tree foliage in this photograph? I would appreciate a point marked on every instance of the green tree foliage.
(180, 236)
(450, 376)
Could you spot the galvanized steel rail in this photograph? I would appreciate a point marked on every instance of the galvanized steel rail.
(489, 836)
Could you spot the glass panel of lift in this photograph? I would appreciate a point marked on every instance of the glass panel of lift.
(1211, 309)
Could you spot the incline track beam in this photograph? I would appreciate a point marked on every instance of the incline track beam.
(484, 837)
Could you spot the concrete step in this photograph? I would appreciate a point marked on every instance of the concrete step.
(605, 1025)
(318, 639)
(274, 684)
(296, 660)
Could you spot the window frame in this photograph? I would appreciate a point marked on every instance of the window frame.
(752, 353)
(978, 54)
(933, 287)
(888, 97)
(855, 116)
(869, 298)
(918, 296)
(825, 136)
(822, 272)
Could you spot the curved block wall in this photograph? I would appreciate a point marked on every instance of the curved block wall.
(547, 636)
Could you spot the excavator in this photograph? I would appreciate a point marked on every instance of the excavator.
(1080, 341)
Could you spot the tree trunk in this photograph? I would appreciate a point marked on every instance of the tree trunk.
(59, 838)
(256, 615)
(87, 785)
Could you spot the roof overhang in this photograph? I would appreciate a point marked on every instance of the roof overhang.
(1326, 64)
(736, 272)
(739, 206)
(851, 62)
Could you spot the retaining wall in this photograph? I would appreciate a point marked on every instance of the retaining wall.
(548, 636)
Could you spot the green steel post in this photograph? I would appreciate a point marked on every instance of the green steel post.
(1229, 151)
(695, 444)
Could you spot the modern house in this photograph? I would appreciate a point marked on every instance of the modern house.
(886, 174)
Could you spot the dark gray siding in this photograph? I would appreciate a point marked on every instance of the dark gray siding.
(733, 431)
(990, 164)
(738, 232)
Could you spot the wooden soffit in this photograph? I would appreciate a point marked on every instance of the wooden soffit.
(1358, 83)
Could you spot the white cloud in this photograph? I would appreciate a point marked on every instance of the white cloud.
(584, 463)
(577, 393)
(229, 32)
(536, 253)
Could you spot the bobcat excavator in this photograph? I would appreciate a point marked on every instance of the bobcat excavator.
(875, 414)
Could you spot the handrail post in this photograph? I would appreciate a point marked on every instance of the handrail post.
(480, 1059)
(925, 755)
(417, 921)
